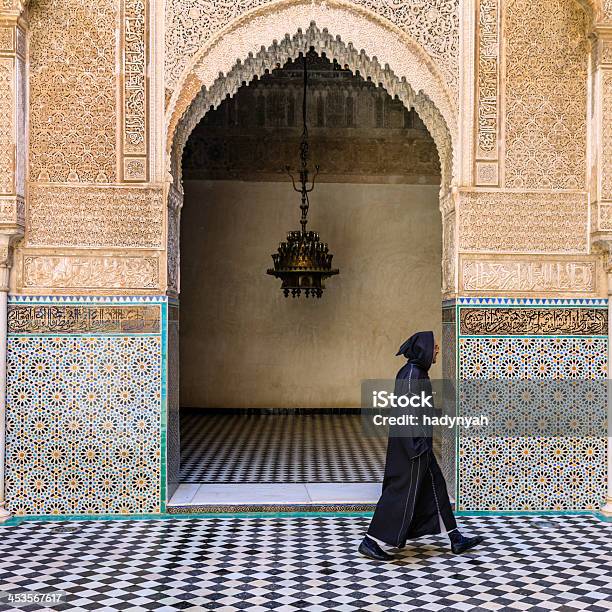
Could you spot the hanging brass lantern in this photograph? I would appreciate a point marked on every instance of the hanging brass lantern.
(303, 262)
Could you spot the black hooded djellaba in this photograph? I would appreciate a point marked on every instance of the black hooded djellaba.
(414, 500)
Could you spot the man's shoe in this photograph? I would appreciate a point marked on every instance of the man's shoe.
(465, 544)
(369, 548)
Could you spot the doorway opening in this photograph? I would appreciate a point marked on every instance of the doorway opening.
(270, 387)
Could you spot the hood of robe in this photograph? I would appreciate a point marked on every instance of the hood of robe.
(419, 349)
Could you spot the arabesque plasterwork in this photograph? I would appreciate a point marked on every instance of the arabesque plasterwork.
(517, 102)
(606, 139)
(523, 222)
(134, 57)
(95, 216)
(545, 95)
(7, 125)
(434, 24)
(73, 91)
(193, 39)
(487, 93)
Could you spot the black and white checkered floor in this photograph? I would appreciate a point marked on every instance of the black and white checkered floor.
(287, 564)
(243, 448)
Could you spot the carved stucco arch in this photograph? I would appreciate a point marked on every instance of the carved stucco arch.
(212, 75)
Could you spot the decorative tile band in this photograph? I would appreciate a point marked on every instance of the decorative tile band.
(85, 299)
(50, 319)
(533, 321)
(519, 301)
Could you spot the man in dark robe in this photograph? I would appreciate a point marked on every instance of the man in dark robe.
(414, 500)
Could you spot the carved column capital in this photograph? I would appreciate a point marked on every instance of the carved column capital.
(603, 245)
(8, 238)
(601, 44)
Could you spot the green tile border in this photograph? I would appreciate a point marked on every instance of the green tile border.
(163, 416)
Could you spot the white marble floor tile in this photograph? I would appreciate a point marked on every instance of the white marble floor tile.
(184, 494)
(250, 493)
(361, 492)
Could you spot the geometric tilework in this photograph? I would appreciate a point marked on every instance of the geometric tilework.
(83, 424)
(533, 472)
(292, 564)
(530, 358)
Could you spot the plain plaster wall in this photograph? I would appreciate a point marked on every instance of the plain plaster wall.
(242, 344)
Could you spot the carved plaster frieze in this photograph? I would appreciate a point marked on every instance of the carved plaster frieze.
(512, 275)
(12, 8)
(523, 222)
(95, 216)
(12, 211)
(603, 217)
(7, 38)
(48, 271)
